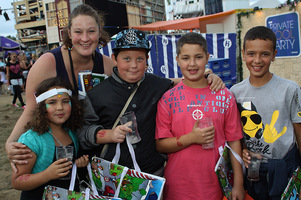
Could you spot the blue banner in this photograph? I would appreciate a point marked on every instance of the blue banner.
(286, 29)
(162, 57)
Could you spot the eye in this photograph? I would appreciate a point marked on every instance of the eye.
(140, 59)
(127, 59)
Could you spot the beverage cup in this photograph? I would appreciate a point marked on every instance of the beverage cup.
(254, 166)
(64, 152)
(129, 119)
(204, 123)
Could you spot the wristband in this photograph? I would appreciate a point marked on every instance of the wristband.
(206, 75)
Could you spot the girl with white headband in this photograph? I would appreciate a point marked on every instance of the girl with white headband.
(56, 118)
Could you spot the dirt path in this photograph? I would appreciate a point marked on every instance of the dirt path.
(8, 117)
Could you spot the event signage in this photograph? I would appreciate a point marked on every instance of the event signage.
(286, 27)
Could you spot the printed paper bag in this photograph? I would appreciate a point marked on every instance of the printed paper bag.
(223, 169)
(292, 189)
(57, 193)
(115, 180)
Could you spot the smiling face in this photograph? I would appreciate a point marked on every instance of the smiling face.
(58, 108)
(84, 34)
(258, 55)
(131, 64)
(192, 60)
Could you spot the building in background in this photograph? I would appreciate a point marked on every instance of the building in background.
(180, 9)
(40, 23)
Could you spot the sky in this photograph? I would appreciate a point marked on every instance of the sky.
(8, 27)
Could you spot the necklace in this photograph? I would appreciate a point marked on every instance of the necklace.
(56, 139)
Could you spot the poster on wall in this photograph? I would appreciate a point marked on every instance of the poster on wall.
(287, 30)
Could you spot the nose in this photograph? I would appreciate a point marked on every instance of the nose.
(192, 62)
(85, 37)
(59, 106)
(257, 58)
(134, 64)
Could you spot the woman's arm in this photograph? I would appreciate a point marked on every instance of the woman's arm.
(24, 180)
(44, 68)
(7, 75)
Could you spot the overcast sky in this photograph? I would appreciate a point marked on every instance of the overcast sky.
(8, 27)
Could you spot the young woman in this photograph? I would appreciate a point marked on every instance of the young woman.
(15, 78)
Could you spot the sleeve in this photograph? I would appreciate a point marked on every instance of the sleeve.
(87, 134)
(30, 141)
(163, 121)
(233, 128)
(295, 109)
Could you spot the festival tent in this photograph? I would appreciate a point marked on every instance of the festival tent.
(7, 44)
(183, 24)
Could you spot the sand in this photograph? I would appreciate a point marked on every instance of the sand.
(8, 117)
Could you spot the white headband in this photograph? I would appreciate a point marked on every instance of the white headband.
(51, 93)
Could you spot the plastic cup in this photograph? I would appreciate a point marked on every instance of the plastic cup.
(129, 119)
(204, 123)
(254, 166)
(65, 152)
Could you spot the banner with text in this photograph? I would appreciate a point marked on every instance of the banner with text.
(286, 28)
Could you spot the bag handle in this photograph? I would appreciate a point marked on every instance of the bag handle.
(105, 148)
(238, 158)
(132, 152)
(73, 177)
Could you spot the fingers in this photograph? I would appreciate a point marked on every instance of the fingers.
(82, 161)
(14, 167)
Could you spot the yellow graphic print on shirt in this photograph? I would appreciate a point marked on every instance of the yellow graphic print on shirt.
(253, 126)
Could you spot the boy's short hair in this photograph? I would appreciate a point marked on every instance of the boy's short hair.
(192, 38)
(262, 33)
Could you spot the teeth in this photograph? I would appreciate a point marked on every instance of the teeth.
(85, 45)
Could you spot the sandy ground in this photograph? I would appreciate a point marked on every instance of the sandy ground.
(8, 117)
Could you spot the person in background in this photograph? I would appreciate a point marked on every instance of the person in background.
(24, 66)
(270, 115)
(130, 57)
(82, 37)
(57, 116)
(15, 78)
(3, 81)
(189, 170)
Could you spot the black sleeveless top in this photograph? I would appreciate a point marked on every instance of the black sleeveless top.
(60, 65)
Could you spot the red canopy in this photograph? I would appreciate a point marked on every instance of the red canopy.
(181, 24)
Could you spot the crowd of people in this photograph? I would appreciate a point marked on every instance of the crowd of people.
(248, 116)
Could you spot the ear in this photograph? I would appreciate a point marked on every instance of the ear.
(207, 57)
(114, 59)
(69, 33)
(243, 55)
(99, 32)
(275, 53)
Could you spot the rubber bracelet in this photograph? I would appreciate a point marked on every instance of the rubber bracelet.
(206, 75)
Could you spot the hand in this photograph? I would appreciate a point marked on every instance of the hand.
(82, 161)
(215, 82)
(58, 169)
(17, 153)
(238, 192)
(202, 136)
(119, 133)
